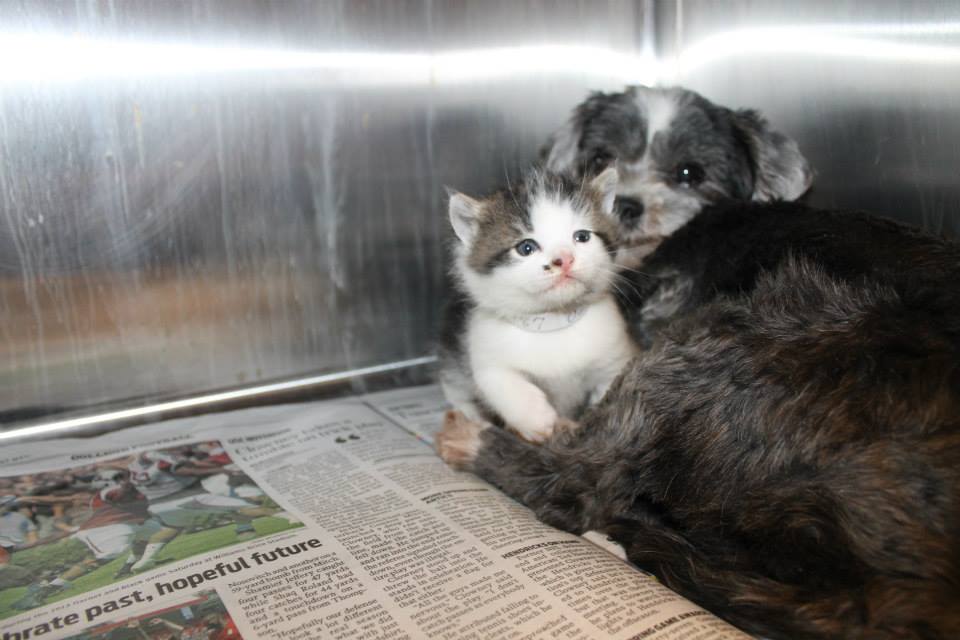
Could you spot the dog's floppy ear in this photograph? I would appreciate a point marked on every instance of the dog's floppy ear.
(780, 170)
(560, 152)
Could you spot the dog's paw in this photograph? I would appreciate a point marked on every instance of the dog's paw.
(458, 441)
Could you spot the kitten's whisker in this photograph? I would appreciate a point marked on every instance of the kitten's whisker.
(618, 281)
(616, 276)
(636, 271)
(614, 286)
(613, 283)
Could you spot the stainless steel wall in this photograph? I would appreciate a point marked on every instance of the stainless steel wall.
(870, 89)
(197, 195)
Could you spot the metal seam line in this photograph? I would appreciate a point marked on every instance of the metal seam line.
(213, 398)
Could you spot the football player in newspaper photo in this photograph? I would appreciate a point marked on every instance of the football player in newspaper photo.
(65, 533)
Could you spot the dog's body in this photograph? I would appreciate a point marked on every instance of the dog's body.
(723, 254)
(787, 452)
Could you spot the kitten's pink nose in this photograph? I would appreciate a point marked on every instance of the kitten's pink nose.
(564, 260)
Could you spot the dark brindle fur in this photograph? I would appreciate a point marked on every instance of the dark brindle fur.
(787, 452)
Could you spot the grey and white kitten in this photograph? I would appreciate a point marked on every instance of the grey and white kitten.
(676, 153)
(533, 334)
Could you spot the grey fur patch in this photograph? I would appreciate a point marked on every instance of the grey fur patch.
(667, 301)
(780, 170)
(503, 222)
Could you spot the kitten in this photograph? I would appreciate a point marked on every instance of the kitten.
(787, 452)
(533, 334)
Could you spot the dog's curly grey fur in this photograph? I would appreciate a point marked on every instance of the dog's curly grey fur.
(787, 452)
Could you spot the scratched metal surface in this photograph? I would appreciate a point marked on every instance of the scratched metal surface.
(870, 89)
(198, 195)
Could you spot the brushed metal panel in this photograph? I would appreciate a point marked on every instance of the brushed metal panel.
(871, 90)
(197, 195)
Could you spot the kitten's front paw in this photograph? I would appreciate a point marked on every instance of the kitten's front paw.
(458, 441)
(538, 425)
(560, 426)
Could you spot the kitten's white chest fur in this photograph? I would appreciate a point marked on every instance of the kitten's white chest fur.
(531, 377)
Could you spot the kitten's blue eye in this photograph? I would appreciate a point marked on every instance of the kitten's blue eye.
(526, 247)
(581, 236)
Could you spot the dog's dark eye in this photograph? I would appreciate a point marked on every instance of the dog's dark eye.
(600, 161)
(526, 247)
(581, 236)
(628, 209)
(690, 174)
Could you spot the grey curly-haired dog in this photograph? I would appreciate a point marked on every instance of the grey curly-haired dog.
(786, 452)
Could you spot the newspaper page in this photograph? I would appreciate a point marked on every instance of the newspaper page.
(325, 520)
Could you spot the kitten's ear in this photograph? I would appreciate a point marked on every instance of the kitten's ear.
(605, 185)
(781, 172)
(464, 212)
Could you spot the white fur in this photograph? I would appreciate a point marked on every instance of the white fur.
(568, 366)
(660, 107)
(530, 379)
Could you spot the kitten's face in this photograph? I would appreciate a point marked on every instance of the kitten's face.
(546, 245)
(676, 153)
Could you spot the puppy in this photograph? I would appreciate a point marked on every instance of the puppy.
(787, 451)
(676, 153)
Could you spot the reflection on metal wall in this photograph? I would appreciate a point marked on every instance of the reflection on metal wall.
(198, 194)
(871, 90)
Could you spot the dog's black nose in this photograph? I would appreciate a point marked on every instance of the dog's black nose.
(629, 210)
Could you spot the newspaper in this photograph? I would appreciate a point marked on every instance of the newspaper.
(325, 520)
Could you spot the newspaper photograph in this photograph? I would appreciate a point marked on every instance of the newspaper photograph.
(200, 617)
(333, 519)
(81, 528)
